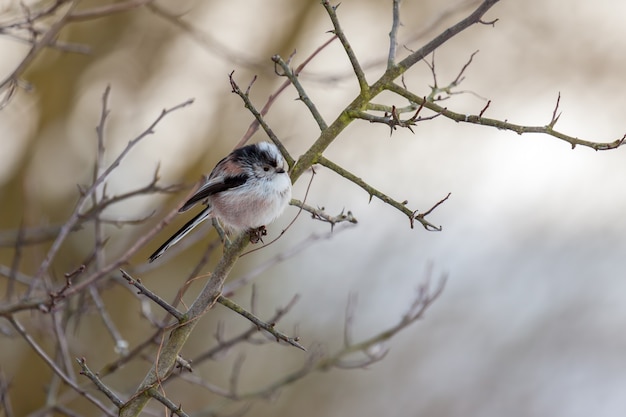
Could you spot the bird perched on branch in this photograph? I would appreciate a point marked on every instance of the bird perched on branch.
(246, 190)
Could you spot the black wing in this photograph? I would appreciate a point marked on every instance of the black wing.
(214, 186)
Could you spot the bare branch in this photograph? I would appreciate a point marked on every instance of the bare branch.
(555, 116)
(381, 196)
(425, 297)
(356, 66)
(12, 80)
(315, 151)
(505, 125)
(224, 345)
(175, 409)
(260, 324)
(259, 118)
(393, 34)
(320, 214)
(446, 35)
(70, 224)
(287, 72)
(98, 382)
(169, 352)
(158, 300)
(42, 354)
(484, 109)
(270, 100)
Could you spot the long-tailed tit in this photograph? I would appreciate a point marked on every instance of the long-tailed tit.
(246, 190)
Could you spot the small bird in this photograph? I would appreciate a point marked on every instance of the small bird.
(246, 190)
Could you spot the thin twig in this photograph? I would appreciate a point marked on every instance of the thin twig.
(473, 18)
(287, 72)
(151, 295)
(171, 347)
(393, 34)
(69, 225)
(356, 66)
(44, 41)
(381, 196)
(175, 409)
(555, 115)
(320, 214)
(43, 355)
(224, 345)
(98, 382)
(259, 118)
(62, 344)
(505, 125)
(271, 99)
(268, 327)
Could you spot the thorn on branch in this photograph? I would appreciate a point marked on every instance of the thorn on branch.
(491, 23)
(555, 116)
(250, 86)
(320, 214)
(372, 192)
(484, 109)
(421, 216)
(393, 120)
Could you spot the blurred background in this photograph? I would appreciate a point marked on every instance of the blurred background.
(533, 244)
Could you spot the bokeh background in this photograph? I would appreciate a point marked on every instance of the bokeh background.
(531, 322)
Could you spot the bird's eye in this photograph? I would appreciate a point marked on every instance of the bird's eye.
(266, 168)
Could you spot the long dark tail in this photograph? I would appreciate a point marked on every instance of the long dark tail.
(188, 227)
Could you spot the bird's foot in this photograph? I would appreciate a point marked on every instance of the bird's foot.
(256, 235)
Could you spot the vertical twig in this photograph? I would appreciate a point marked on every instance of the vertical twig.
(301, 93)
(356, 65)
(393, 34)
